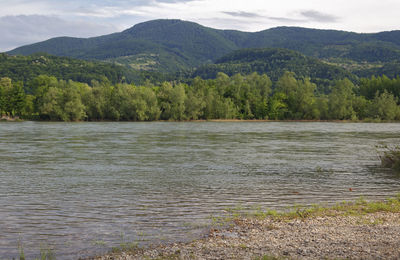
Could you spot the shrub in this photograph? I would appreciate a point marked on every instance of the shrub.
(390, 158)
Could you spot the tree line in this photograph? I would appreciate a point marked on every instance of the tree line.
(249, 97)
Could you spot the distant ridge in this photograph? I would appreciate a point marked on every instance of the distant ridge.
(173, 45)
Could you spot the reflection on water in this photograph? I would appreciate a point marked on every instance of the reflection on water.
(83, 187)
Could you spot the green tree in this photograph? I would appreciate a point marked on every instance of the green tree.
(341, 100)
(172, 101)
(300, 96)
(384, 106)
(194, 104)
(51, 104)
(62, 102)
(321, 108)
(5, 89)
(12, 97)
(17, 99)
(74, 110)
(301, 101)
(277, 106)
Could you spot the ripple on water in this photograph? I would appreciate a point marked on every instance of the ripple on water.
(82, 188)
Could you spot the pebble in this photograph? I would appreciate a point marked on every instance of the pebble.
(339, 237)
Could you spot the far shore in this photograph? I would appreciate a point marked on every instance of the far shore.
(18, 119)
(10, 119)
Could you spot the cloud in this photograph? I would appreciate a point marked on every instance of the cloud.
(243, 14)
(172, 1)
(26, 29)
(307, 16)
(286, 20)
(317, 16)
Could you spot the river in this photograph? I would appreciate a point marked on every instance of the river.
(81, 188)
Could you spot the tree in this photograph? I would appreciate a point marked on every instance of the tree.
(259, 91)
(194, 104)
(73, 108)
(341, 100)
(172, 101)
(51, 105)
(277, 106)
(384, 106)
(299, 94)
(17, 99)
(62, 102)
(12, 97)
(5, 89)
(301, 101)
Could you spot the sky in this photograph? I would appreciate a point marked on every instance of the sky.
(28, 21)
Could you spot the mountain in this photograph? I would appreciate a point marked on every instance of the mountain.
(173, 45)
(163, 45)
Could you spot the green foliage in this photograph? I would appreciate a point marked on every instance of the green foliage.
(172, 101)
(390, 158)
(384, 106)
(236, 97)
(26, 68)
(300, 96)
(274, 62)
(341, 100)
(369, 87)
(12, 98)
(356, 208)
(63, 102)
(390, 69)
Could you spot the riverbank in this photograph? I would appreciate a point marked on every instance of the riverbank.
(359, 230)
(10, 119)
(18, 119)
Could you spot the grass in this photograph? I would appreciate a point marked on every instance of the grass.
(359, 207)
(21, 251)
(45, 253)
(390, 157)
(125, 246)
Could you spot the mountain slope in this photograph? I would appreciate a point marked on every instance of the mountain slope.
(173, 45)
(26, 68)
(274, 62)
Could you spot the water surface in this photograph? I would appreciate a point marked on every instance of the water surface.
(82, 188)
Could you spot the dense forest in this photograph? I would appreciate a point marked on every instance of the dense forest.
(274, 62)
(26, 68)
(252, 96)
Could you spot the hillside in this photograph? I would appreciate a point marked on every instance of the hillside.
(274, 62)
(26, 68)
(173, 45)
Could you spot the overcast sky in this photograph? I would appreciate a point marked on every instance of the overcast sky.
(28, 21)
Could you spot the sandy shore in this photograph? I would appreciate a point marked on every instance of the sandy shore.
(367, 236)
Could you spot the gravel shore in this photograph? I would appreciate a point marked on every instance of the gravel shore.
(370, 236)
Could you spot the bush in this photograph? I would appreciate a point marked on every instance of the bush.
(391, 158)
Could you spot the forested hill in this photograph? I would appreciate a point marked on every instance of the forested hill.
(26, 68)
(274, 62)
(173, 45)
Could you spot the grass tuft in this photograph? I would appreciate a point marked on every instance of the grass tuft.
(390, 157)
(356, 208)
